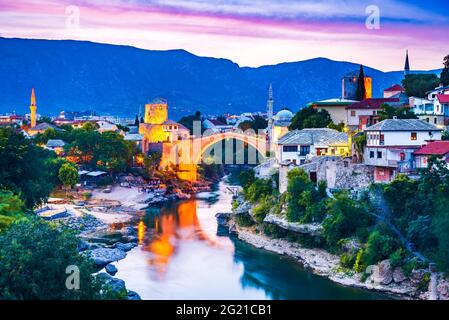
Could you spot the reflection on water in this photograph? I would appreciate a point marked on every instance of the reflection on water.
(180, 256)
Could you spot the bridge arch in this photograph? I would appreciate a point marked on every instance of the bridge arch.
(185, 155)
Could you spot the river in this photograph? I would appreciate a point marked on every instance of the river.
(180, 256)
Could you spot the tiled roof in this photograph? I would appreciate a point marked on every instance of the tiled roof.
(403, 125)
(443, 98)
(373, 103)
(437, 148)
(44, 126)
(395, 87)
(320, 136)
(133, 137)
(333, 102)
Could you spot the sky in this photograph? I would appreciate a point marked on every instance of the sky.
(248, 32)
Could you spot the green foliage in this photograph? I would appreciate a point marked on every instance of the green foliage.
(445, 135)
(262, 209)
(444, 77)
(246, 178)
(11, 209)
(189, 121)
(339, 127)
(68, 174)
(259, 189)
(26, 169)
(359, 266)
(440, 227)
(346, 218)
(418, 84)
(378, 247)
(360, 144)
(244, 220)
(259, 123)
(310, 117)
(347, 260)
(390, 112)
(34, 256)
(397, 258)
(402, 198)
(274, 231)
(306, 202)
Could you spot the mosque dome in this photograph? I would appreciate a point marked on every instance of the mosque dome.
(284, 115)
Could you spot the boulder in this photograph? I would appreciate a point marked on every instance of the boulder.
(111, 269)
(418, 275)
(125, 246)
(385, 273)
(103, 256)
(443, 289)
(398, 275)
(222, 219)
(115, 284)
(132, 295)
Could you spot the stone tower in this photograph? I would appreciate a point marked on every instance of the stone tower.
(407, 65)
(33, 109)
(156, 112)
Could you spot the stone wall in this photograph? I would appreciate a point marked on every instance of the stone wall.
(339, 173)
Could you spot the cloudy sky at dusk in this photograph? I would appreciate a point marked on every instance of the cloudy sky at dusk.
(249, 32)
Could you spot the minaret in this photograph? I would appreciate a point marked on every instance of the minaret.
(407, 65)
(270, 106)
(33, 108)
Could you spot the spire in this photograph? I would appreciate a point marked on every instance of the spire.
(33, 98)
(270, 103)
(407, 65)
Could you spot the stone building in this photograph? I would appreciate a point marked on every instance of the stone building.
(157, 128)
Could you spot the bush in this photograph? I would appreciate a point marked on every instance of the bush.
(347, 260)
(397, 258)
(262, 209)
(274, 231)
(244, 220)
(34, 257)
(379, 247)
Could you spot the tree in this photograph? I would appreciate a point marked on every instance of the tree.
(136, 121)
(444, 77)
(310, 117)
(11, 209)
(25, 168)
(417, 85)
(378, 247)
(246, 178)
(445, 135)
(361, 90)
(390, 112)
(68, 175)
(34, 259)
(346, 218)
(305, 202)
(188, 121)
(259, 123)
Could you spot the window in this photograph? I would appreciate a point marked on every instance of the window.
(290, 149)
(304, 150)
(374, 112)
(435, 120)
(371, 154)
(413, 136)
(402, 156)
(352, 113)
(382, 139)
(379, 154)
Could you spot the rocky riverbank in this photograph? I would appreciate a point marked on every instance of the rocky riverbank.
(381, 278)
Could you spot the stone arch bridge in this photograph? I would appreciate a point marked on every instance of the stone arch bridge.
(185, 155)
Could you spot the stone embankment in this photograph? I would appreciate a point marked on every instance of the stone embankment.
(381, 277)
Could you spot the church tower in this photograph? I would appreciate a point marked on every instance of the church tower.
(33, 109)
(407, 65)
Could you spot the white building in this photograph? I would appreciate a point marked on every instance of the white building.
(392, 142)
(435, 108)
(299, 145)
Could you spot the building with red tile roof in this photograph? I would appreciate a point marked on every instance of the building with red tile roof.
(439, 149)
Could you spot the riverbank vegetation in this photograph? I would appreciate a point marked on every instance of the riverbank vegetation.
(366, 227)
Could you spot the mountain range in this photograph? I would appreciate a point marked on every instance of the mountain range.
(119, 80)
